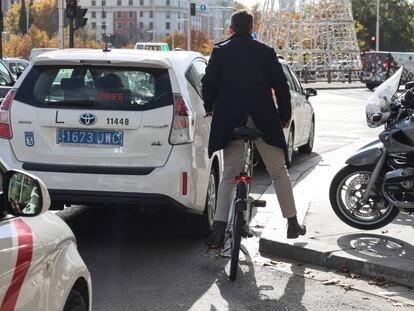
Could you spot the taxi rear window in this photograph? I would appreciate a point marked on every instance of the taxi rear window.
(97, 87)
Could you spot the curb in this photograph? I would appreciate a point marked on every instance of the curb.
(323, 248)
(314, 253)
(317, 253)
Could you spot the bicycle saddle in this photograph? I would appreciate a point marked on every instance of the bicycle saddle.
(246, 133)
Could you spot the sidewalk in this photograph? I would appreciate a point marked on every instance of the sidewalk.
(334, 85)
(387, 252)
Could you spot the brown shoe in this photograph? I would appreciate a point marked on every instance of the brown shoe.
(216, 238)
(294, 228)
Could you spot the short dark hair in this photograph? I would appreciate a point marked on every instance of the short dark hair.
(242, 21)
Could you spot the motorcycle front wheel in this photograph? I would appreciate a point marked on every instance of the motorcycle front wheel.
(345, 193)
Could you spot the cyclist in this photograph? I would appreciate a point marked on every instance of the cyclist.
(237, 91)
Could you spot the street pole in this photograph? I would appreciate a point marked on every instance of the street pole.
(377, 39)
(189, 27)
(71, 33)
(61, 12)
(153, 21)
(172, 41)
(1, 29)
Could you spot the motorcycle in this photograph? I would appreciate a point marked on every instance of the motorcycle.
(378, 180)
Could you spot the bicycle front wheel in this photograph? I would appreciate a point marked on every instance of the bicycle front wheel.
(238, 219)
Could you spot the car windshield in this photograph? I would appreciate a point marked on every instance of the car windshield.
(96, 86)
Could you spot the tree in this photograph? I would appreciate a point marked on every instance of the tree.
(31, 17)
(11, 21)
(180, 40)
(85, 38)
(257, 16)
(396, 24)
(23, 18)
(42, 11)
(21, 45)
(118, 40)
(200, 42)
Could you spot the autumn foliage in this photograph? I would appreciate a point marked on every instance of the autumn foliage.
(42, 31)
(200, 42)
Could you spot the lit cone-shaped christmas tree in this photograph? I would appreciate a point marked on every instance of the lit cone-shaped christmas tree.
(316, 35)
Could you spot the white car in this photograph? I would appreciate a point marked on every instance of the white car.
(40, 267)
(115, 127)
(16, 65)
(301, 132)
(37, 51)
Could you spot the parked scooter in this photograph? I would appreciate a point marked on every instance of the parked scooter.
(378, 180)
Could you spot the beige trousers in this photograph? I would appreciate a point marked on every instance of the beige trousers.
(274, 160)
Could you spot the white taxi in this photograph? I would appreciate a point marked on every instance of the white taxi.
(114, 127)
(40, 267)
(300, 134)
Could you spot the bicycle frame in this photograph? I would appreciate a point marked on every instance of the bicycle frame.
(245, 177)
(240, 208)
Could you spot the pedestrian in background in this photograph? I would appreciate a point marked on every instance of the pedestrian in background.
(237, 91)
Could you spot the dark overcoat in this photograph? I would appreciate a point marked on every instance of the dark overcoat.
(238, 82)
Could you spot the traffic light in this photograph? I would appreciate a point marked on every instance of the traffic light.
(71, 6)
(192, 9)
(80, 20)
(373, 40)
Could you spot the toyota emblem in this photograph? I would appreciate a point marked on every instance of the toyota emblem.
(88, 119)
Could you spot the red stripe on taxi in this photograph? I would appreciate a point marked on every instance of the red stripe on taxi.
(24, 259)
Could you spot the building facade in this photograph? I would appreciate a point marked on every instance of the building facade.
(153, 20)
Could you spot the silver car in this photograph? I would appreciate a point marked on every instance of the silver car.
(301, 131)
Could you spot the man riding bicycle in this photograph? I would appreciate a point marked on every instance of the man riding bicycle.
(237, 91)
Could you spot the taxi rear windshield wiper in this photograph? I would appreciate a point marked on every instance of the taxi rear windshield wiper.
(76, 103)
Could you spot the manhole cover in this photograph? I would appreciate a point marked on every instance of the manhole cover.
(379, 247)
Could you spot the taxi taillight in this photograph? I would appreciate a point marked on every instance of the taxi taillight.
(5, 121)
(182, 131)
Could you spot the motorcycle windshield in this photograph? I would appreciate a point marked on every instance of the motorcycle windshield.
(378, 102)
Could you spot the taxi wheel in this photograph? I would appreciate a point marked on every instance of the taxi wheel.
(75, 302)
(309, 145)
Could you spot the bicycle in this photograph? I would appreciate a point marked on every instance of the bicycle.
(241, 208)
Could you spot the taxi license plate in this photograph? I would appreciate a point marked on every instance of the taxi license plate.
(89, 138)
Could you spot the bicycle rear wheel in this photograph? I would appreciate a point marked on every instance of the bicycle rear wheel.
(237, 228)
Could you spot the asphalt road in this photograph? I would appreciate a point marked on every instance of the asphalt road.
(158, 262)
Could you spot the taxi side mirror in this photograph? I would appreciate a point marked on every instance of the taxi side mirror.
(24, 194)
